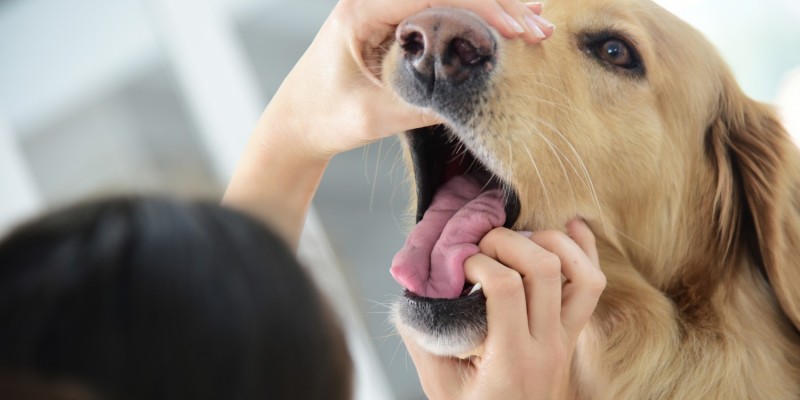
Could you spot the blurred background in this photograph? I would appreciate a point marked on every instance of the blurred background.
(159, 96)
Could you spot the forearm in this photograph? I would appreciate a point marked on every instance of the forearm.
(330, 103)
(277, 176)
(317, 113)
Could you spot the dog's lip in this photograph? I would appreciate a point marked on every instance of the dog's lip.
(513, 209)
(438, 318)
(472, 297)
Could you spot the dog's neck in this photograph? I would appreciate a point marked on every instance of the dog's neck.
(669, 239)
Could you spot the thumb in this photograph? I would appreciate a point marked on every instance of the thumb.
(401, 116)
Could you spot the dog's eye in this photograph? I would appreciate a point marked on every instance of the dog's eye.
(613, 51)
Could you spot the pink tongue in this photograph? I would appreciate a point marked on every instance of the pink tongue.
(431, 264)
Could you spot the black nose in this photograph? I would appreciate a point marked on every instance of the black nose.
(446, 45)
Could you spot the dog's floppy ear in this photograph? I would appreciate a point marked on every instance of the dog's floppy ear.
(758, 192)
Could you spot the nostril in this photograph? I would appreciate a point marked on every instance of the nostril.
(466, 53)
(413, 43)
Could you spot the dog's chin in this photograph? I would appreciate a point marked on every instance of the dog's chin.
(445, 327)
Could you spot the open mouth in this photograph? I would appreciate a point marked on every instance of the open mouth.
(459, 201)
(438, 156)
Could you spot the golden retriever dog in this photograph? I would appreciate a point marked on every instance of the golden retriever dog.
(628, 118)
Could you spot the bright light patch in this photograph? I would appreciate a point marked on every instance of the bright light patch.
(788, 103)
(677, 7)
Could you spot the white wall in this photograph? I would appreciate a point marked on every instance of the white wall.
(19, 197)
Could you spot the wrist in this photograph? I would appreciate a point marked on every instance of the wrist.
(278, 175)
(292, 130)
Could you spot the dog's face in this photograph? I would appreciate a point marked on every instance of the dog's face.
(619, 89)
(607, 120)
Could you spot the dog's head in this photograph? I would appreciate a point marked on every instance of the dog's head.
(626, 117)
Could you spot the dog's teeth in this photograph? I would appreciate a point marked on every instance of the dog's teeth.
(474, 289)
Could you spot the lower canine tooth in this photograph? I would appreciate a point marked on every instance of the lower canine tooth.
(474, 289)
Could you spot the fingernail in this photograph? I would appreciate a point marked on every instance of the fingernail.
(513, 23)
(527, 234)
(542, 21)
(534, 28)
(534, 4)
(577, 220)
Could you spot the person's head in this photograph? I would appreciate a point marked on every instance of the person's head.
(161, 299)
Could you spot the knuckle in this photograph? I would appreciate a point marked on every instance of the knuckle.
(493, 234)
(595, 283)
(548, 266)
(599, 282)
(508, 282)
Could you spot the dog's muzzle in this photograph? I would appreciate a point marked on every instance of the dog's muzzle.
(448, 56)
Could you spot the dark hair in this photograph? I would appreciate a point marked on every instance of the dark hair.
(162, 299)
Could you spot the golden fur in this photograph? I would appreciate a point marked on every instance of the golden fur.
(693, 192)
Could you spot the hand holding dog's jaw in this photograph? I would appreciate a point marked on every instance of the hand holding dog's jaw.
(531, 335)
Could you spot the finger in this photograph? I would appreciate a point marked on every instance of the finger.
(543, 23)
(401, 116)
(536, 27)
(534, 6)
(505, 301)
(371, 36)
(511, 18)
(585, 282)
(524, 20)
(541, 276)
(583, 236)
(507, 16)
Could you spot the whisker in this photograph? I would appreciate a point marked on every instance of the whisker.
(553, 90)
(375, 176)
(585, 170)
(365, 156)
(394, 353)
(559, 155)
(538, 99)
(634, 241)
(539, 174)
(375, 303)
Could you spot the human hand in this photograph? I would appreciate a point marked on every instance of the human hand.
(333, 102)
(533, 319)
